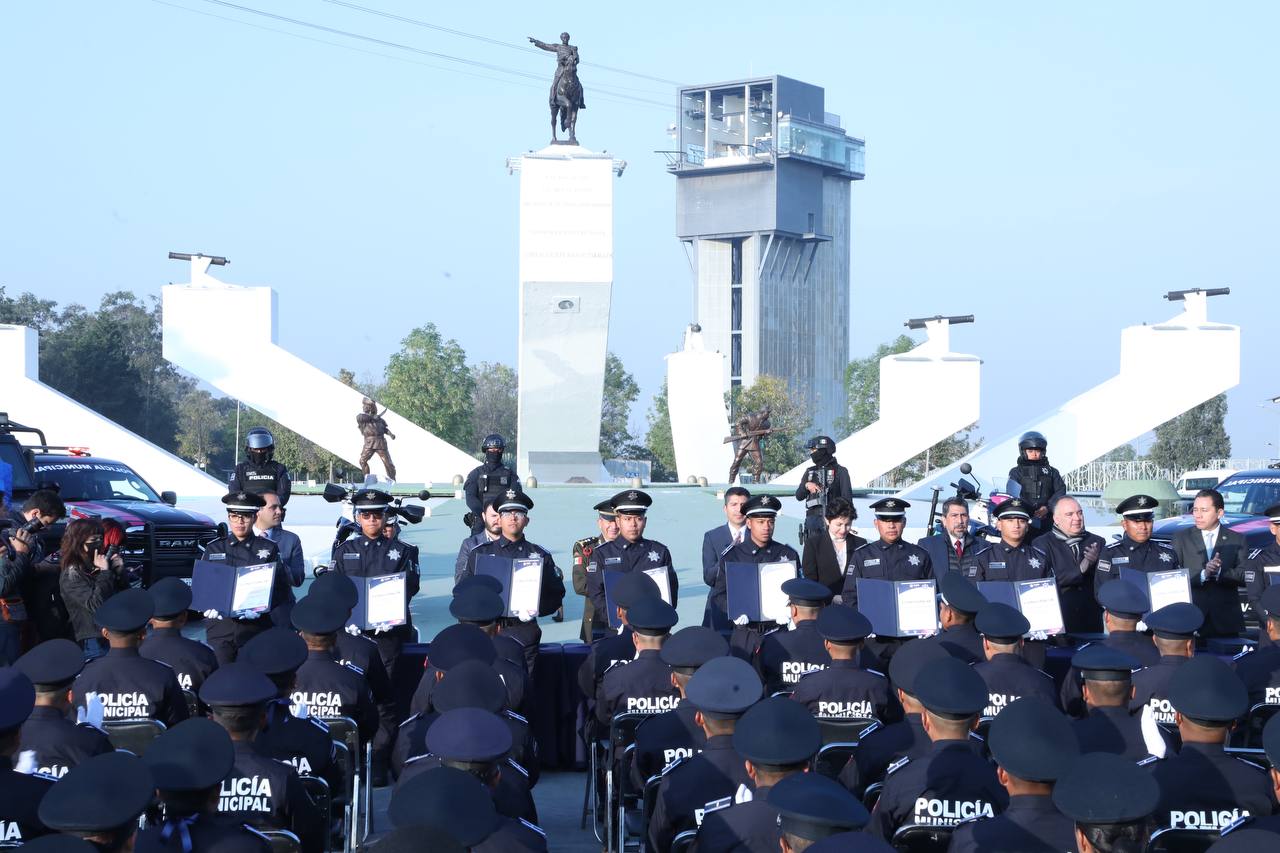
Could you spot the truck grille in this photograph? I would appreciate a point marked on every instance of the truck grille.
(169, 550)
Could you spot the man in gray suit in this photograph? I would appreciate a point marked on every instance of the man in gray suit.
(268, 526)
(488, 533)
(1212, 554)
(715, 542)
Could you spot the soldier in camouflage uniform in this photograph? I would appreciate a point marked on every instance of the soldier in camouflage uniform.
(607, 522)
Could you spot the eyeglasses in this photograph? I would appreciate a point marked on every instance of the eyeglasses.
(235, 513)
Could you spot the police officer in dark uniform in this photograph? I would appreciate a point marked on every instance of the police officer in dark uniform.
(358, 650)
(819, 816)
(642, 686)
(1174, 629)
(821, 482)
(959, 603)
(1005, 671)
(101, 800)
(889, 557)
(1110, 800)
(607, 524)
(1123, 606)
(459, 643)
(951, 782)
(1013, 558)
(129, 686)
(58, 743)
(325, 687)
(757, 546)
(489, 480)
(631, 551)
(616, 647)
(191, 660)
(1135, 549)
(481, 606)
(227, 633)
(260, 791)
(672, 735)
(20, 793)
(455, 805)
(1260, 668)
(1202, 787)
(722, 690)
(844, 689)
(784, 656)
(1040, 484)
(1254, 571)
(1032, 745)
(1255, 824)
(188, 763)
(260, 472)
(1108, 688)
(777, 739)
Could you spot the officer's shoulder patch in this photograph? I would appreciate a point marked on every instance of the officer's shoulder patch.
(512, 715)
(874, 727)
(357, 670)
(421, 757)
(1250, 763)
(875, 672)
(319, 724)
(897, 765)
(717, 805)
(673, 765)
(977, 738)
(41, 775)
(516, 765)
(1150, 759)
(532, 826)
(1241, 654)
(409, 720)
(1237, 823)
(1254, 553)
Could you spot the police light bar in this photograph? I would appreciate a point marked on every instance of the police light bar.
(216, 260)
(79, 451)
(1180, 295)
(954, 320)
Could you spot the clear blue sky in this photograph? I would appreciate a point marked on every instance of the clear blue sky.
(1051, 170)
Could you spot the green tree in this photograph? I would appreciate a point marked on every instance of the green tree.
(783, 449)
(1193, 438)
(1123, 453)
(659, 446)
(201, 434)
(493, 405)
(620, 391)
(428, 382)
(862, 386)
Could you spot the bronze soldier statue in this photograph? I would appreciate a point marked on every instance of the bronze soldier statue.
(375, 432)
(752, 428)
(566, 89)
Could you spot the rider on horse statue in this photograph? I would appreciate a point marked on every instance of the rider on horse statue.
(566, 89)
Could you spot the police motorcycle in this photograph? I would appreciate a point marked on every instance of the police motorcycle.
(346, 525)
(981, 511)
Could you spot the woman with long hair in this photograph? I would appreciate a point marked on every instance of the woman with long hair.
(88, 578)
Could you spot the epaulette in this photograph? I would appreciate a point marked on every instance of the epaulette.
(319, 724)
(1250, 763)
(613, 666)
(357, 670)
(518, 768)
(532, 826)
(717, 805)
(416, 758)
(876, 672)
(673, 765)
(409, 720)
(1115, 544)
(1254, 553)
(727, 549)
(1237, 823)
(40, 775)
(582, 543)
(896, 766)
(975, 736)
(512, 715)
(162, 663)
(1150, 759)
(876, 726)
(860, 547)
(1246, 650)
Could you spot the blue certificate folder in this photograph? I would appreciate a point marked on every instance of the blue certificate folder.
(507, 572)
(213, 586)
(898, 608)
(754, 590)
(384, 612)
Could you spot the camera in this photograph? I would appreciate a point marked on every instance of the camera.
(468, 519)
(35, 525)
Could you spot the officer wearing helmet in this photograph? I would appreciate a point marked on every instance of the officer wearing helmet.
(824, 480)
(260, 472)
(1040, 482)
(488, 481)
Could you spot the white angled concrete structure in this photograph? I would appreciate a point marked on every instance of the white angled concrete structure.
(66, 423)
(1126, 405)
(926, 395)
(695, 401)
(566, 281)
(302, 397)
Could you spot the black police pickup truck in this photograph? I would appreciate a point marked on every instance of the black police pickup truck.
(161, 539)
(1245, 496)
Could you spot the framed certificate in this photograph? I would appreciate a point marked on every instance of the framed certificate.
(381, 602)
(1035, 599)
(899, 608)
(661, 576)
(521, 582)
(754, 590)
(1162, 588)
(232, 589)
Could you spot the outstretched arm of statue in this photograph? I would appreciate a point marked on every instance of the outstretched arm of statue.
(541, 44)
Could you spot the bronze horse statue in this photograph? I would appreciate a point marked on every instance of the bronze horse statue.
(566, 89)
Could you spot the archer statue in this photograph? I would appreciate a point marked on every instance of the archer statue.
(752, 428)
(566, 89)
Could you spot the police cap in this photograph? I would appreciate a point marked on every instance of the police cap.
(652, 617)
(1000, 623)
(806, 593)
(446, 797)
(1137, 507)
(337, 584)
(244, 502)
(1270, 602)
(512, 501)
(1207, 690)
(960, 594)
(777, 732)
(843, 624)
(763, 506)
(1032, 740)
(632, 587)
(890, 509)
(17, 698)
(1273, 514)
(1124, 599)
(1177, 621)
(56, 842)
(820, 442)
(813, 807)
(101, 793)
(724, 687)
(470, 684)
(237, 684)
(951, 689)
(1243, 840)
(1097, 662)
(631, 502)
(126, 611)
(171, 597)
(408, 839)
(477, 605)
(469, 734)
(1271, 740)
(689, 648)
(276, 651)
(320, 614)
(1013, 508)
(193, 755)
(460, 642)
(470, 582)
(370, 500)
(907, 662)
(605, 508)
(850, 842)
(52, 663)
(1105, 788)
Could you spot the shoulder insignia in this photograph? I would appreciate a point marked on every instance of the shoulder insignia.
(409, 720)
(874, 727)
(896, 766)
(515, 764)
(860, 547)
(613, 666)
(727, 549)
(1150, 759)
(974, 736)
(319, 724)
(673, 765)
(874, 672)
(717, 805)
(512, 715)
(417, 758)
(583, 543)
(252, 831)
(1254, 553)
(357, 670)
(1241, 654)
(1237, 823)
(1251, 764)
(532, 826)
(39, 775)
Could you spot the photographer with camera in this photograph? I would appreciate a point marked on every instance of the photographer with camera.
(92, 572)
(20, 551)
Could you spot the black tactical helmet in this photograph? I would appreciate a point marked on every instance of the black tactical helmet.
(820, 442)
(493, 442)
(259, 444)
(1033, 441)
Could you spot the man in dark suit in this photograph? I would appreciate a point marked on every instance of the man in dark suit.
(268, 525)
(957, 549)
(1212, 554)
(715, 542)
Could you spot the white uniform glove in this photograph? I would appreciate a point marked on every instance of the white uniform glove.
(741, 620)
(353, 630)
(26, 762)
(93, 711)
(211, 614)
(300, 710)
(528, 616)
(381, 629)
(1151, 736)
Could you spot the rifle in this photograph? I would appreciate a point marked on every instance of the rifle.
(751, 433)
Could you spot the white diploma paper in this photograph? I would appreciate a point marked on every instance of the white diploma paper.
(917, 609)
(774, 603)
(1169, 588)
(1038, 601)
(384, 604)
(253, 588)
(526, 586)
(662, 579)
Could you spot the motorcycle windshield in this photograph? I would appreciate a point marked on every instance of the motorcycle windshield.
(1013, 488)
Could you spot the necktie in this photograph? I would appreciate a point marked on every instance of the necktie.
(1208, 545)
(959, 549)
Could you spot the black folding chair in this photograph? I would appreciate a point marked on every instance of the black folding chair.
(922, 839)
(622, 733)
(1248, 735)
(629, 799)
(318, 790)
(344, 731)
(1169, 840)
(133, 735)
(193, 703)
(684, 841)
(596, 762)
(833, 757)
(283, 841)
(871, 795)
(843, 729)
(649, 801)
